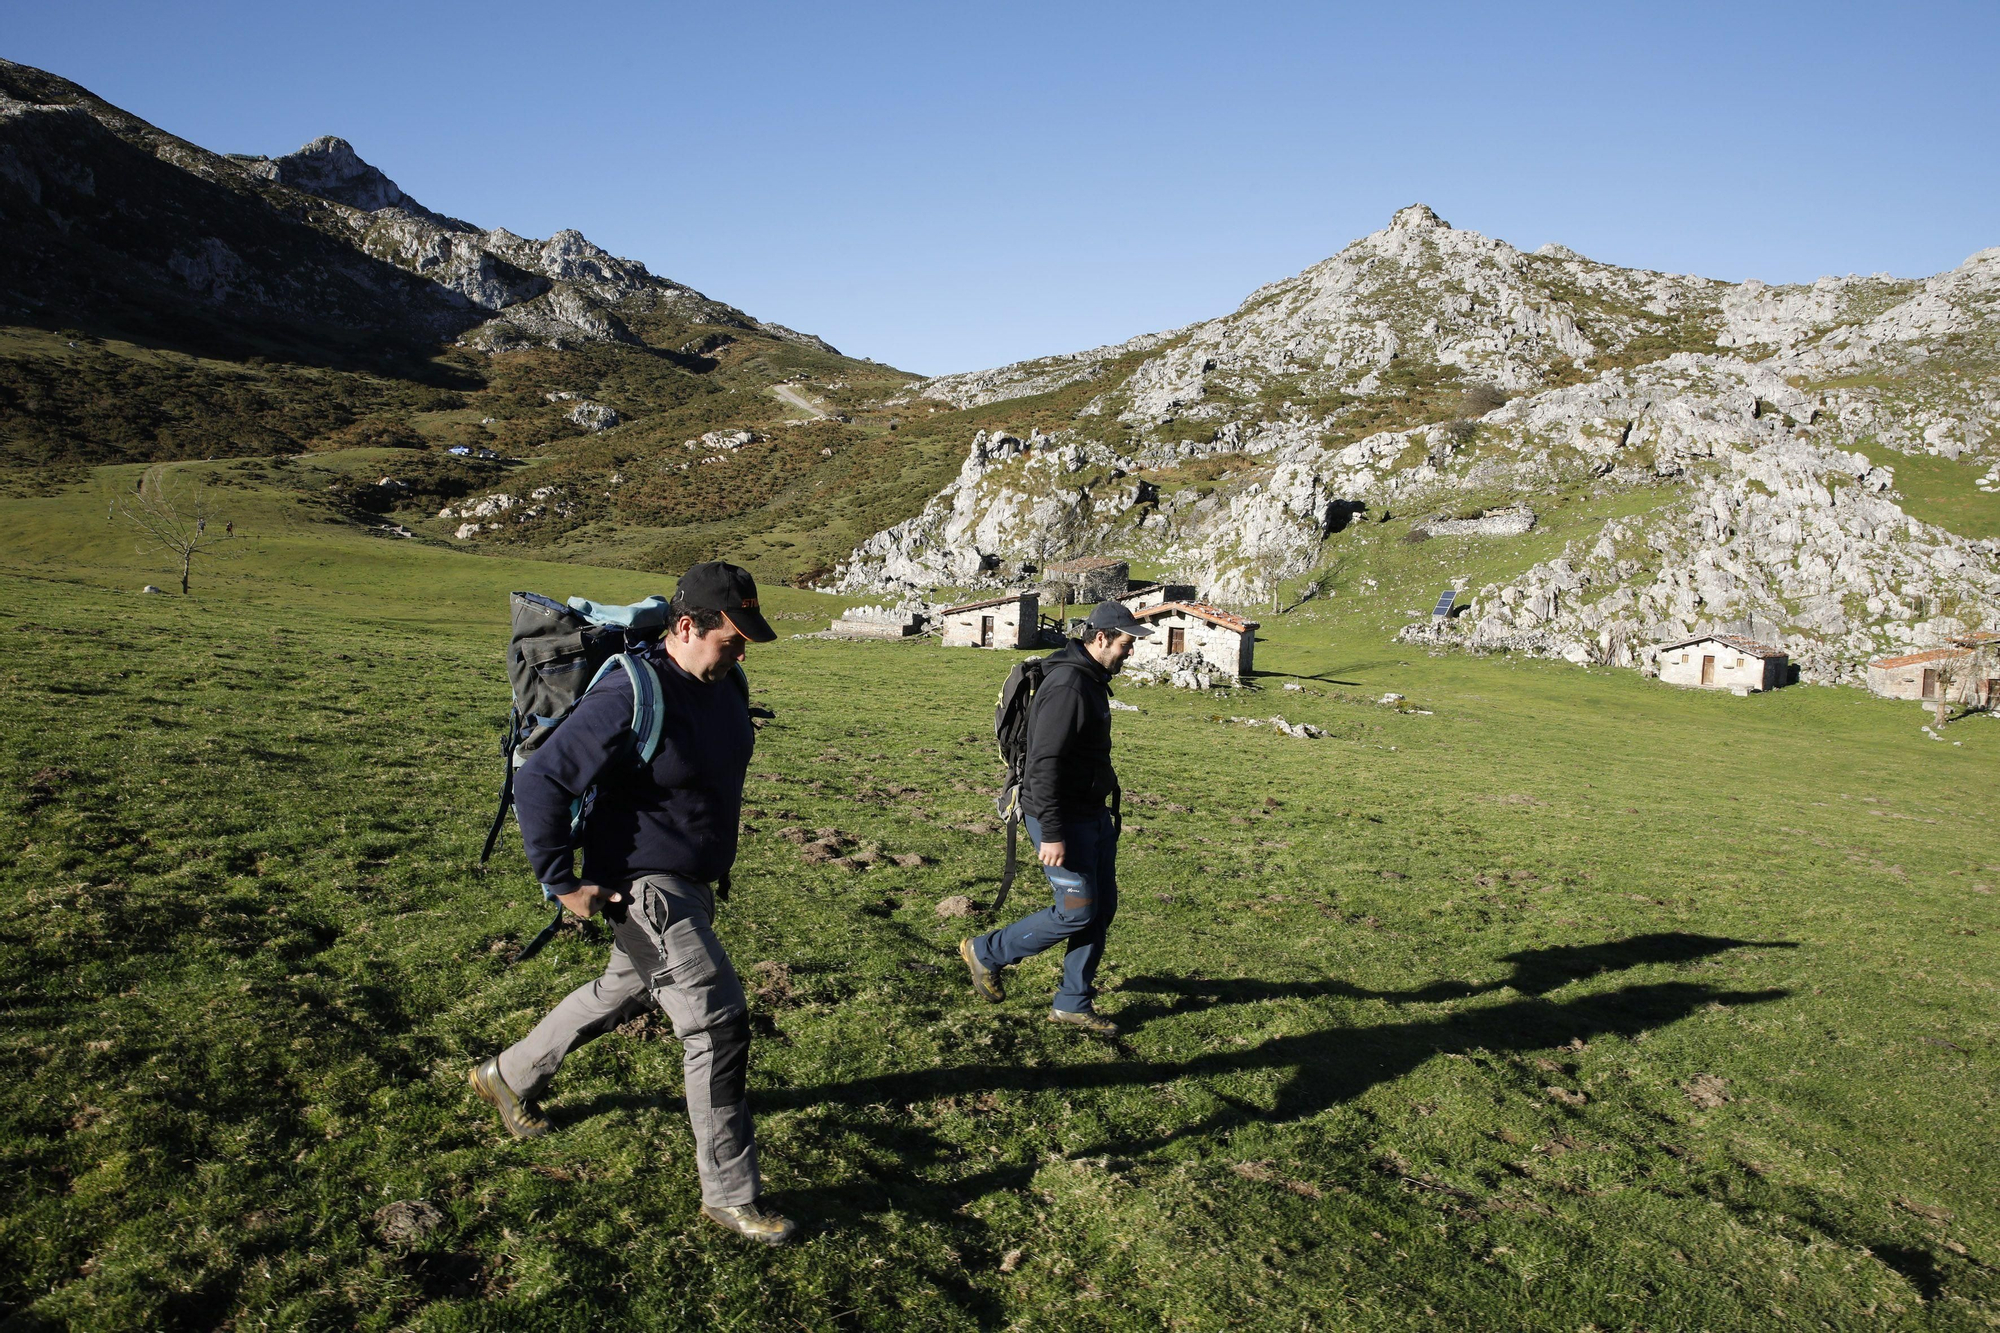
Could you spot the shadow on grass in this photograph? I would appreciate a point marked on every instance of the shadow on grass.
(606, 1103)
(1536, 972)
(1325, 1069)
(1322, 677)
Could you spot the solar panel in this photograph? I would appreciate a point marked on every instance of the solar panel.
(1445, 599)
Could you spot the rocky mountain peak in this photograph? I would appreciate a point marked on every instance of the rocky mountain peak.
(329, 168)
(1431, 372)
(1417, 217)
(309, 241)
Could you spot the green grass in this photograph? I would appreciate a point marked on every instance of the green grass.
(1413, 1012)
(1941, 491)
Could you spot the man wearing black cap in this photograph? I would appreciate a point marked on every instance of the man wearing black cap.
(657, 839)
(1066, 780)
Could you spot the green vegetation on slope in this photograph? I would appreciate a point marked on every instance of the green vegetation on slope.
(806, 493)
(69, 400)
(1574, 1001)
(1941, 491)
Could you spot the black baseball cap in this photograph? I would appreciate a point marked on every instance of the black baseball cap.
(718, 586)
(1117, 617)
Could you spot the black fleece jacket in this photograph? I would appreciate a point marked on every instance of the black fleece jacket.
(1068, 771)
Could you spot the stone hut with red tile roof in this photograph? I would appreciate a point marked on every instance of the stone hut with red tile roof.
(1724, 662)
(1921, 676)
(1226, 641)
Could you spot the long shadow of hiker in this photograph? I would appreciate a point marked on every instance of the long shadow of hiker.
(1320, 1069)
(921, 1174)
(1536, 972)
(1326, 1067)
(917, 1172)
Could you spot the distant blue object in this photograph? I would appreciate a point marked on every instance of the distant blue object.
(459, 449)
(1443, 609)
(649, 614)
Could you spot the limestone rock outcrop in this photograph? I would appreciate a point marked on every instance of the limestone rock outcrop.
(330, 168)
(1757, 429)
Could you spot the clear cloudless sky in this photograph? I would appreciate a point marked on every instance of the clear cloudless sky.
(953, 186)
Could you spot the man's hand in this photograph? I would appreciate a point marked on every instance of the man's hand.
(1051, 853)
(584, 900)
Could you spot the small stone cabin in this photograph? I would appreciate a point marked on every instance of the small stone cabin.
(1723, 662)
(877, 622)
(1142, 595)
(997, 622)
(1092, 579)
(1227, 641)
(1922, 675)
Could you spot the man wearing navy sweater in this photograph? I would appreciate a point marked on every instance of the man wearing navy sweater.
(657, 839)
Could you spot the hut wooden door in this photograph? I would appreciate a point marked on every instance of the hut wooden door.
(1708, 671)
(986, 631)
(1930, 685)
(1176, 640)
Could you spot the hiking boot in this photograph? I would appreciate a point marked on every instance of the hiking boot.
(1087, 1019)
(750, 1221)
(984, 979)
(515, 1114)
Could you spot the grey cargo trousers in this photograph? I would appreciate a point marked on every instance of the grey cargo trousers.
(666, 944)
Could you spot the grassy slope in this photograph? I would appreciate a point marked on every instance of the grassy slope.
(248, 957)
(1941, 491)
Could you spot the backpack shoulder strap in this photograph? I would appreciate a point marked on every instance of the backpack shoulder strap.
(742, 683)
(648, 714)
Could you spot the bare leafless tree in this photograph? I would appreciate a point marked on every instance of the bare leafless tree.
(1962, 677)
(1270, 561)
(179, 520)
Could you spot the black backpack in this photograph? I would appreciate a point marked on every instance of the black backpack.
(555, 654)
(1010, 731)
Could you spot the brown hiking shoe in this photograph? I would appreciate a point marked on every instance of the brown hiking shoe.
(1087, 1019)
(984, 979)
(750, 1221)
(515, 1114)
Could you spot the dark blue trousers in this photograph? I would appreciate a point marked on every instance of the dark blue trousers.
(1086, 898)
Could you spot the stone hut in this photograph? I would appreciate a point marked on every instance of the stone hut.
(1141, 595)
(997, 622)
(1090, 580)
(877, 622)
(1226, 641)
(1723, 662)
(1920, 676)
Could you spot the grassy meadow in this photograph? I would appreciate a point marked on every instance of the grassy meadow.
(1548, 999)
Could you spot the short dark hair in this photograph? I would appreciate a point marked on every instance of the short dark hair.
(704, 619)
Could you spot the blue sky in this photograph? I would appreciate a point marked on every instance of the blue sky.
(948, 187)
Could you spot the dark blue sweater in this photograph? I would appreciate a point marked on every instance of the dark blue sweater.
(677, 816)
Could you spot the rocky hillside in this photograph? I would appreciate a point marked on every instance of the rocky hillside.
(116, 222)
(1807, 460)
(160, 301)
